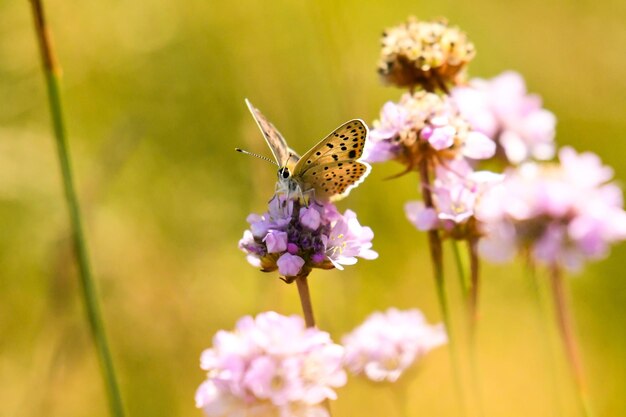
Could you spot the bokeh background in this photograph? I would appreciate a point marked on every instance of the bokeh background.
(153, 93)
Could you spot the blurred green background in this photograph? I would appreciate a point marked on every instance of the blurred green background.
(153, 93)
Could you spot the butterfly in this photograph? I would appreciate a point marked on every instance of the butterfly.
(329, 170)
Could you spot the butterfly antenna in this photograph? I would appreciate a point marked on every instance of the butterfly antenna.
(265, 158)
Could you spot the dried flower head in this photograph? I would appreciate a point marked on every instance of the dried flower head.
(429, 54)
(295, 238)
(424, 125)
(502, 109)
(271, 365)
(387, 344)
(559, 214)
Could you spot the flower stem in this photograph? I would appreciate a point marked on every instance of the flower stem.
(548, 335)
(305, 300)
(52, 73)
(436, 254)
(564, 321)
(307, 310)
(463, 280)
(467, 290)
(472, 247)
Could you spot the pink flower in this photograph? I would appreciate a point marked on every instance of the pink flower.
(562, 213)
(387, 344)
(271, 365)
(275, 241)
(294, 238)
(311, 217)
(348, 240)
(503, 110)
(455, 192)
(289, 265)
(421, 118)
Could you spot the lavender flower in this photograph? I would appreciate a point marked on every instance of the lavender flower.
(503, 110)
(455, 192)
(294, 238)
(424, 125)
(428, 54)
(387, 344)
(560, 214)
(271, 365)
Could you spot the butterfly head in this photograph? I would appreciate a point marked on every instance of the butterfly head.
(283, 173)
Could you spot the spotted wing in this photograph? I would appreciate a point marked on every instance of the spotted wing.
(277, 143)
(334, 180)
(343, 144)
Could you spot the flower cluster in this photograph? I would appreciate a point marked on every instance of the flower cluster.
(560, 214)
(424, 125)
(387, 344)
(502, 109)
(270, 365)
(455, 192)
(294, 238)
(429, 54)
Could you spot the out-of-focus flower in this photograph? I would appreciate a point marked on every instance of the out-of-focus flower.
(429, 54)
(560, 214)
(387, 344)
(424, 125)
(502, 109)
(294, 238)
(271, 365)
(455, 192)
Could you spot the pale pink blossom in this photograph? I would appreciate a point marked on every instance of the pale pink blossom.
(561, 214)
(424, 118)
(387, 344)
(271, 365)
(502, 109)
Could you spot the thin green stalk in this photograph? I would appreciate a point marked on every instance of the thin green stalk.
(566, 328)
(52, 73)
(467, 289)
(460, 267)
(548, 335)
(436, 254)
(307, 311)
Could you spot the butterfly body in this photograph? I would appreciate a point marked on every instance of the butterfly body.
(329, 170)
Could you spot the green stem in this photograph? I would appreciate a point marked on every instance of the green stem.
(436, 254)
(305, 300)
(566, 328)
(463, 279)
(307, 311)
(52, 73)
(468, 290)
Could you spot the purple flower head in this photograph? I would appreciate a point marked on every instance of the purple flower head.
(502, 109)
(561, 213)
(424, 125)
(294, 238)
(271, 365)
(455, 191)
(387, 344)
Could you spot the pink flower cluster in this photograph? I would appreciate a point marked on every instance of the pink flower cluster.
(560, 213)
(424, 118)
(502, 109)
(387, 344)
(294, 238)
(455, 192)
(271, 365)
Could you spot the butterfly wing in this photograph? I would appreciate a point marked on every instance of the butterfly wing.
(331, 167)
(278, 145)
(335, 180)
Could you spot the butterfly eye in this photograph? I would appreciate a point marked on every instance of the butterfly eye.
(283, 173)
